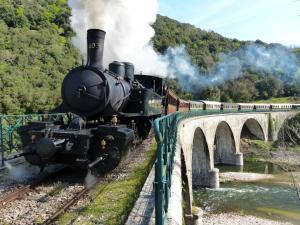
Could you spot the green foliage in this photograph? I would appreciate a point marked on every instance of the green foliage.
(290, 132)
(202, 46)
(35, 54)
(280, 100)
(174, 86)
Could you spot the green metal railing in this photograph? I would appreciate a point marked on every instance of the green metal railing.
(9, 138)
(165, 129)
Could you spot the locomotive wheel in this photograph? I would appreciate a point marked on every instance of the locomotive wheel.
(112, 159)
(33, 159)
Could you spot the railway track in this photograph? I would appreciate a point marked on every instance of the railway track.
(85, 199)
(22, 191)
(67, 205)
(19, 193)
(37, 202)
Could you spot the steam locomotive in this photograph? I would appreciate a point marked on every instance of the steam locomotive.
(113, 107)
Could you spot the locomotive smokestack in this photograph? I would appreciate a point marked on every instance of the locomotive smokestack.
(95, 47)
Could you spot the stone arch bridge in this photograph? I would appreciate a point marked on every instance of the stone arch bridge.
(206, 140)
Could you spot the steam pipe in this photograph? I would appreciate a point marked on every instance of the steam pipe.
(95, 48)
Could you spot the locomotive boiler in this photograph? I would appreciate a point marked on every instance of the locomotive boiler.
(113, 107)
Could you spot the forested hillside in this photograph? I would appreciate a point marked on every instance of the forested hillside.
(35, 54)
(204, 49)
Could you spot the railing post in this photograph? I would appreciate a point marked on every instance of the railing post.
(159, 192)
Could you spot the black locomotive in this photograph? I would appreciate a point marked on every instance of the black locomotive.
(113, 107)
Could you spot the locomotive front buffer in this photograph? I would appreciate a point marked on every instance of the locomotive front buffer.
(99, 149)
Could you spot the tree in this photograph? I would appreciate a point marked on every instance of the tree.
(35, 54)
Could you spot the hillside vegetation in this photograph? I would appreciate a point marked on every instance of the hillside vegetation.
(36, 53)
(280, 100)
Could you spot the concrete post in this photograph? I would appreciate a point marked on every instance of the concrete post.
(196, 218)
(239, 161)
(214, 181)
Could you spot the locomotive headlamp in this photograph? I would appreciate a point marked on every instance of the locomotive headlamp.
(114, 120)
(103, 144)
(33, 137)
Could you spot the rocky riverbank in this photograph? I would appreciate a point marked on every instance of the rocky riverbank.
(288, 157)
(241, 176)
(261, 193)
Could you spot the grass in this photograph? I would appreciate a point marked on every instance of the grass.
(260, 150)
(112, 202)
(295, 148)
(67, 217)
(266, 146)
(57, 189)
(280, 100)
(262, 145)
(280, 212)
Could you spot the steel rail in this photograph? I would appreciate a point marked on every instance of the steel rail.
(20, 192)
(66, 206)
(15, 195)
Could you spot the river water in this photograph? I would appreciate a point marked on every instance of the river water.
(273, 199)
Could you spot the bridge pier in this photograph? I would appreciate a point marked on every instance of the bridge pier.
(235, 159)
(209, 179)
(214, 181)
(239, 159)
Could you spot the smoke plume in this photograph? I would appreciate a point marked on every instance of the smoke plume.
(128, 30)
(129, 33)
(273, 59)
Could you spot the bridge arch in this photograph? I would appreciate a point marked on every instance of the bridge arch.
(253, 127)
(225, 148)
(201, 162)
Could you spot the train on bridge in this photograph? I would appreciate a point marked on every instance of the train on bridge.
(176, 104)
(113, 107)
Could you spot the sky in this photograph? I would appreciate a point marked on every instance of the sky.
(272, 21)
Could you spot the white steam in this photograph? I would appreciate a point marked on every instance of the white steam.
(22, 172)
(128, 38)
(273, 59)
(90, 179)
(128, 30)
